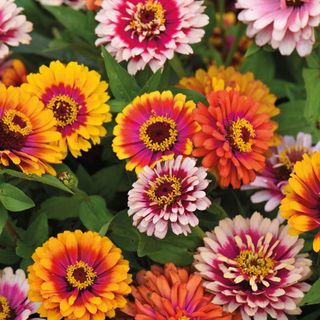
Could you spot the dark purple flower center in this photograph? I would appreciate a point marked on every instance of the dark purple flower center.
(159, 133)
(14, 127)
(294, 3)
(65, 110)
(80, 275)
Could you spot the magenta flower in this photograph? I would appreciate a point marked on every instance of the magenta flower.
(168, 195)
(278, 169)
(253, 265)
(284, 24)
(14, 302)
(14, 27)
(149, 31)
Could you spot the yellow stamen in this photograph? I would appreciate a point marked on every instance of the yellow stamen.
(17, 122)
(5, 309)
(65, 110)
(80, 275)
(164, 190)
(184, 318)
(241, 134)
(289, 156)
(166, 126)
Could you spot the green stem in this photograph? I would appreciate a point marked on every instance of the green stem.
(199, 232)
(177, 66)
(235, 44)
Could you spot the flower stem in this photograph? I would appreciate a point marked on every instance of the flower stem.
(199, 232)
(235, 44)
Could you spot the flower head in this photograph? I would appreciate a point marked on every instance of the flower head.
(221, 78)
(233, 138)
(149, 31)
(278, 168)
(93, 4)
(28, 136)
(79, 275)
(154, 126)
(77, 98)
(284, 24)
(167, 196)
(172, 293)
(14, 302)
(14, 27)
(301, 205)
(254, 266)
(12, 72)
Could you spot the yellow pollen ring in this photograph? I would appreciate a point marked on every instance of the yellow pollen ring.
(5, 308)
(168, 198)
(17, 122)
(184, 318)
(86, 271)
(64, 108)
(254, 264)
(236, 135)
(164, 145)
(285, 158)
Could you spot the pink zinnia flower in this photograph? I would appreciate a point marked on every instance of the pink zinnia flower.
(149, 31)
(253, 265)
(284, 24)
(14, 302)
(278, 168)
(168, 195)
(14, 27)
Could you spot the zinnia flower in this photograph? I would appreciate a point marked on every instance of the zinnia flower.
(278, 168)
(28, 136)
(12, 72)
(149, 31)
(301, 203)
(171, 293)
(79, 275)
(77, 98)
(233, 138)
(154, 126)
(14, 27)
(221, 78)
(93, 4)
(254, 266)
(14, 302)
(167, 196)
(284, 24)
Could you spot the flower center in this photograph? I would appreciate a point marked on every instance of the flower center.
(158, 133)
(65, 110)
(164, 190)
(254, 264)
(148, 19)
(5, 310)
(294, 3)
(80, 275)
(184, 318)
(240, 135)
(289, 156)
(14, 127)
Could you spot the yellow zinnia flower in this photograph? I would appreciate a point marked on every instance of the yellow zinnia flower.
(77, 98)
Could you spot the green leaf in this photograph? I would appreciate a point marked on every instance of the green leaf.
(93, 213)
(252, 50)
(45, 179)
(61, 208)
(123, 86)
(117, 106)
(3, 217)
(37, 231)
(14, 199)
(153, 83)
(312, 297)
(191, 95)
(291, 118)
(8, 256)
(79, 23)
(312, 107)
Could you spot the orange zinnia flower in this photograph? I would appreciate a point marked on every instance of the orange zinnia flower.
(13, 73)
(173, 294)
(93, 4)
(233, 138)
